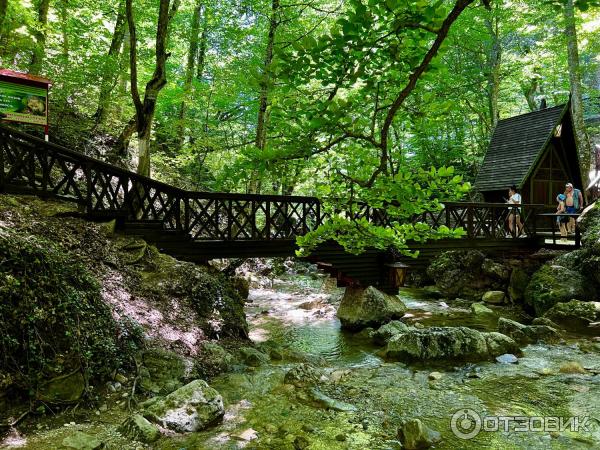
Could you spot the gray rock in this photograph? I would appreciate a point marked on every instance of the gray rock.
(507, 358)
(455, 343)
(82, 441)
(361, 308)
(192, 407)
(138, 428)
(527, 334)
(385, 332)
(494, 297)
(553, 284)
(415, 435)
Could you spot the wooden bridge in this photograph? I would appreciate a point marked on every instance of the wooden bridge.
(200, 226)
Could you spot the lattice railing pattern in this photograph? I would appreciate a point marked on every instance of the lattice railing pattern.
(29, 164)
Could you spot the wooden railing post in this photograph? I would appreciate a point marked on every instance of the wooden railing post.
(268, 219)
(89, 187)
(186, 214)
(470, 228)
(3, 143)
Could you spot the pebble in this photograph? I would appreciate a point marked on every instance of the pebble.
(121, 378)
(507, 358)
(435, 376)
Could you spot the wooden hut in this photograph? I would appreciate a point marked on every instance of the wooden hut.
(534, 151)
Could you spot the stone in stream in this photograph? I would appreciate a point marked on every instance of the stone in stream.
(553, 284)
(479, 309)
(415, 435)
(192, 407)
(385, 332)
(303, 375)
(574, 315)
(434, 376)
(456, 343)
(494, 297)
(527, 334)
(507, 358)
(252, 357)
(82, 441)
(361, 308)
(138, 428)
(326, 402)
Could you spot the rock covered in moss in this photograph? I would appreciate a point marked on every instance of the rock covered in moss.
(67, 388)
(253, 357)
(479, 309)
(519, 279)
(163, 371)
(213, 359)
(467, 274)
(574, 315)
(303, 375)
(361, 308)
(79, 440)
(138, 428)
(415, 435)
(553, 284)
(190, 408)
(454, 343)
(493, 297)
(527, 334)
(385, 332)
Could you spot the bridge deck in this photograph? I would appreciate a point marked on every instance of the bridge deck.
(199, 226)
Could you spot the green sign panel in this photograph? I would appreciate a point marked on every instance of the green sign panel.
(25, 104)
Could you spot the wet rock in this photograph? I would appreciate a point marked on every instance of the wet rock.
(314, 304)
(519, 279)
(479, 309)
(553, 284)
(361, 308)
(527, 334)
(494, 297)
(385, 332)
(308, 428)
(574, 315)
(438, 343)
(572, 367)
(545, 321)
(66, 388)
(303, 375)
(163, 371)
(327, 402)
(340, 437)
(120, 378)
(507, 358)
(338, 375)
(82, 441)
(252, 357)
(192, 407)
(415, 435)
(434, 376)
(247, 435)
(138, 428)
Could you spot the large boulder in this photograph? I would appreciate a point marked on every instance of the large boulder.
(192, 407)
(590, 225)
(553, 284)
(362, 308)
(138, 428)
(467, 274)
(574, 315)
(527, 334)
(452, 343)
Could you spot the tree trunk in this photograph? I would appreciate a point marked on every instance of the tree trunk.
(189, 70)
(40, 37)
(202, 50)
(494, 59)
(529, 91)
(109, 69)
(145, 110)
(583, 142)
(263, 99)
(3, 34)
(64, 30)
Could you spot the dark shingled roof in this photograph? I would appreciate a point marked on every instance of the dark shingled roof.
(516, 145)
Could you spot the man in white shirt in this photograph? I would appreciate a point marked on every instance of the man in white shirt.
(514, 214)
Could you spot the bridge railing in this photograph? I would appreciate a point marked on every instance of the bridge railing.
(486, 220)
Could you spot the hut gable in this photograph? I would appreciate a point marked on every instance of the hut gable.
(516, 146)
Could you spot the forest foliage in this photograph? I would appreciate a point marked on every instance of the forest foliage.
(350, 100)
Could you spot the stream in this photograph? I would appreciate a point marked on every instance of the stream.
(367, 397)
(263, 412)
